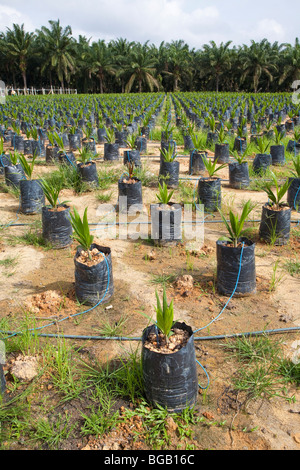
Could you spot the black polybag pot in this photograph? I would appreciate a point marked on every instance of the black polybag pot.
(293, 146)
(52, 154)
(188, 143)
(169, 173)
(121, 137)
(196, 163)
(261, 163)
(17, 142)
(94, 283)
(4, 161)
(32, 196)
(38, 148)
(132, 156)
(56, 226)
(74, 141)
(277, 154)
(212, 138)
(90, 145)
(132, 192)
(141, 144)
(101, 135)
(166, 223)
(275, 224)
(238, 175)
(28, 146)
(88, 173)
(221, 153)
(293, 194)
(67, 158)
(170, 380)
(240, 144)
(111, 151)
(209, 193)
(228, 266)
(13, 175)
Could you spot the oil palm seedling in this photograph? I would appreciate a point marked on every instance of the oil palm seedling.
(234, 276)
(132, 155)
(163, 362)
(111, 147)
(169, 167)
(262, 159)
(277, 151)
(276, 215)
(239, 170)
(93, 266)
(56, 224)
(31, 194)
(222, 147)
(209, 188)
(14, 172)
(130, 195)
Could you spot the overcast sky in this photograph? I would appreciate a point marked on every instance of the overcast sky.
(195, 21)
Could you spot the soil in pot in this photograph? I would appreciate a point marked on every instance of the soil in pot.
(170, 373)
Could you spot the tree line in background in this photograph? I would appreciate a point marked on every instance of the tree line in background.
(51, 56)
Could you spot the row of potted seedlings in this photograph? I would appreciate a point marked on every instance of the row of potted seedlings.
(163, 367)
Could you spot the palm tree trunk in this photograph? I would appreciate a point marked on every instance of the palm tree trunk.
(101, 85)
(24, 81)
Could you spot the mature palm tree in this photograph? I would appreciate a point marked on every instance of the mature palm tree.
(83, 63)
(19, 48)
(215, 60)
(291, 63)
(101, 61)
(257, 60)
(57, 50)
(141, 68)
(120, 49)
(178, 61)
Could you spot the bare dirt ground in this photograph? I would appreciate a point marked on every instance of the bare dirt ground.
(42, 280)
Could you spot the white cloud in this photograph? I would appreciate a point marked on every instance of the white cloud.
(266, 28)
(9, 15)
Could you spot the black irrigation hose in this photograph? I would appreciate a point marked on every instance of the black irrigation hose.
(125, 338)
